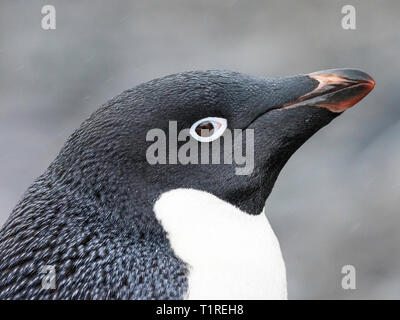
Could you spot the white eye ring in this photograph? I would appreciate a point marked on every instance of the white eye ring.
(219, 126)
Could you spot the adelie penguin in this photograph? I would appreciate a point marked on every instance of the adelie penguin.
(114, 226)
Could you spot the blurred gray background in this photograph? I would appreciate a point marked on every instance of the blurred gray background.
(337, 200)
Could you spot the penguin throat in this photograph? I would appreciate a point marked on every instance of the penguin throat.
(229, 254)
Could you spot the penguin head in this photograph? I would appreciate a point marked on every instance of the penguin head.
(268, 120)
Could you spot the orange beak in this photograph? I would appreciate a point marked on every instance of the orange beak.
(338, 89)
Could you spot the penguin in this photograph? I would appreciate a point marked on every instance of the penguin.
(112, 225)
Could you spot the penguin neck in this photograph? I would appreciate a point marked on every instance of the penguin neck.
(113, 193)
(229, 253)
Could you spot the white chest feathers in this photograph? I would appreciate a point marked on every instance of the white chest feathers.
(230, 254)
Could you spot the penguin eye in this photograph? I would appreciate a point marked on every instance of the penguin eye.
(208, 129)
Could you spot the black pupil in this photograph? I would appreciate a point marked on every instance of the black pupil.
(205, 129)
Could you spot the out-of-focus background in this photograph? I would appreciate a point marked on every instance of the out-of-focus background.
(337, 200)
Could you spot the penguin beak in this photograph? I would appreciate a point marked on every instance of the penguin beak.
(338, 89)
(301, 105)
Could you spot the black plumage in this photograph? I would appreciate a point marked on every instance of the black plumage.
(91, 213)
